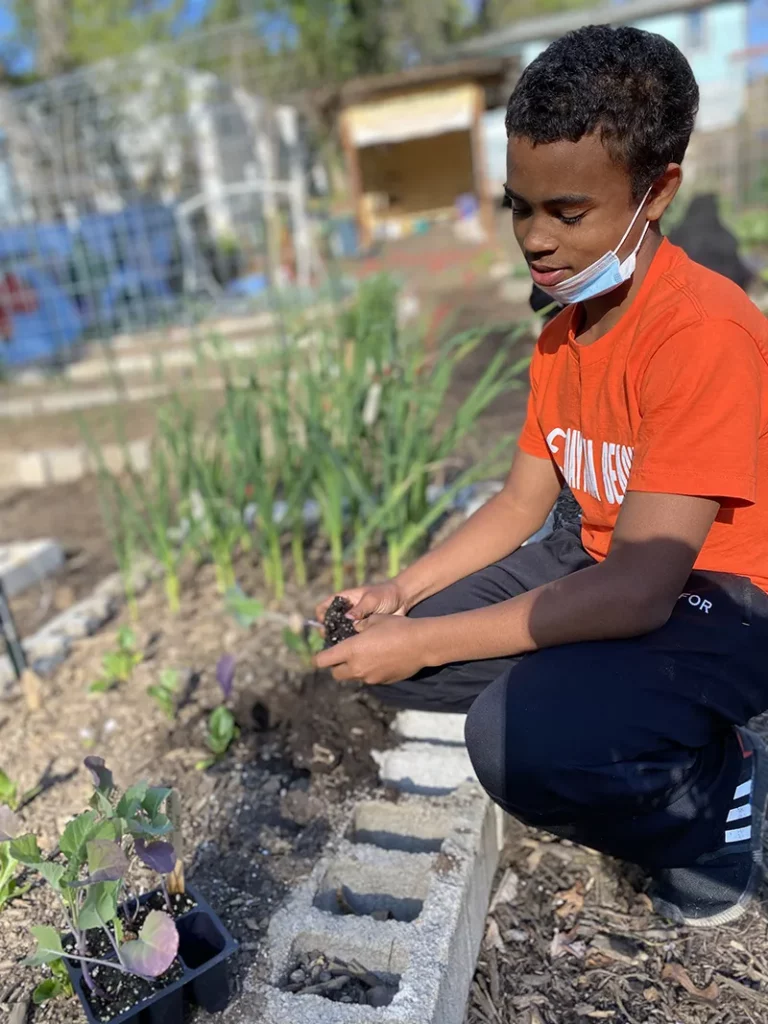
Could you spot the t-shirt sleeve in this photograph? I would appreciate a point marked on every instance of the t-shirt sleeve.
(532, 440)
(700, 401)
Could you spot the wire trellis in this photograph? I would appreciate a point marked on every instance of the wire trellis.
(141, 191)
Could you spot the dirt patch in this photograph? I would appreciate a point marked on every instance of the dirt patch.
(255, 823)
(572, 939)
(69, 514)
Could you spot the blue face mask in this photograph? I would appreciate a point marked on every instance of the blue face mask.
(603, 275)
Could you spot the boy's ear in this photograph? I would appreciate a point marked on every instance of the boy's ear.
(664, 191)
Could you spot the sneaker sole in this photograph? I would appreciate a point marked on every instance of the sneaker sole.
(759, 800)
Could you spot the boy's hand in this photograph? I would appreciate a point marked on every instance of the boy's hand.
(371, 599)
(387, 650)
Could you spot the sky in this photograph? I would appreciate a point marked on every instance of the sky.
(193, 13)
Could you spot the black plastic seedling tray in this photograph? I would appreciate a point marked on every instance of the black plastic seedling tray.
(205, 945)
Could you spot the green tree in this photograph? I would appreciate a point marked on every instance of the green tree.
(69, 33)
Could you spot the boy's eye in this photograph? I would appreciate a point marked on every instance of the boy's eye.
(570, 221)
(519, 211)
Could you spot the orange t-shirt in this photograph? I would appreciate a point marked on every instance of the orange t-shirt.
(672, 400)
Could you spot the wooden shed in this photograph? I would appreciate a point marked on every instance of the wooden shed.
(413, 144)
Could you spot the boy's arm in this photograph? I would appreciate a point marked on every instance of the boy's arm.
(632, 592)
(656, 542)
(493, 532)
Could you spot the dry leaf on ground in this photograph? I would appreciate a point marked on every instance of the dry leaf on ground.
(571, 900)
(493, 937)
(677, 973)
(507, 891)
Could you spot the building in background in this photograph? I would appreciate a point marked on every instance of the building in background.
(724, 42)
(414, 146)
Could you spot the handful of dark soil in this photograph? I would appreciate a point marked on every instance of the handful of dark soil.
(337, 626)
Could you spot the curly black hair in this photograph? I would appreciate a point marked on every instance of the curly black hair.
(636, 88)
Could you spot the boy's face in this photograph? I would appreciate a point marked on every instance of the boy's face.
(571, 204)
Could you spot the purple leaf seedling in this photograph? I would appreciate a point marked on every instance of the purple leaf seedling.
(225, 674)
(156, 948)
(89, 877)
(159, 856)
(101, 775)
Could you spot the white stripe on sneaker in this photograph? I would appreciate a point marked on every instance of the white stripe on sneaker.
(743, 790)
(740, 812)
(738, 835)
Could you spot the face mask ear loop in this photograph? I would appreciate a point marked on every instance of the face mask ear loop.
(625, 236)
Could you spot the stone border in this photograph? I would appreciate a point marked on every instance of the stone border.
(47, 649)
(439, 853)
(25, 563)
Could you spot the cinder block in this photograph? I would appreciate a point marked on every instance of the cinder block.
(367, 881)
(31, 470)
(426, 768)
(25, 563)
(430, 727)
(65, 465)
(431, 960)
(413, 826)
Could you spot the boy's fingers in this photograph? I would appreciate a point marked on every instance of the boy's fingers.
(328, 659)
(367, 605)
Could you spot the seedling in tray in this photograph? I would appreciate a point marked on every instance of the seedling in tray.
(120, 951)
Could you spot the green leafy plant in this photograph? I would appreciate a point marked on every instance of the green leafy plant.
(222, 729)
(88, 875)
(164, 692)
(9, 886)
(306, 644)
(118, 665)
(9, 791)
(58, 986)
(245, 610)
(340, 442)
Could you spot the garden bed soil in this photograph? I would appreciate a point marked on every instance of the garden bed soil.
(572, 940)
(255, 823)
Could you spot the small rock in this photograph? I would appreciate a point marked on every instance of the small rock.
(19, 1012)
(325, 976)
(272, 786)
(379, 996)
(252, 924)
(64, 598)
(300, 806)
(615, 947)
(297, 976)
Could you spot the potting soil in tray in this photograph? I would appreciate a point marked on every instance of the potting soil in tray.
(199, 971)
(337, 626)
(123, 992)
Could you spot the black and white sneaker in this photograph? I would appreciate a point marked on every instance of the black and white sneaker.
(719, 886)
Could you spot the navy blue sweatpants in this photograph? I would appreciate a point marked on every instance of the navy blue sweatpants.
(626, 746)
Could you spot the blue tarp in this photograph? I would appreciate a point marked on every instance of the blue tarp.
(101, 274)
